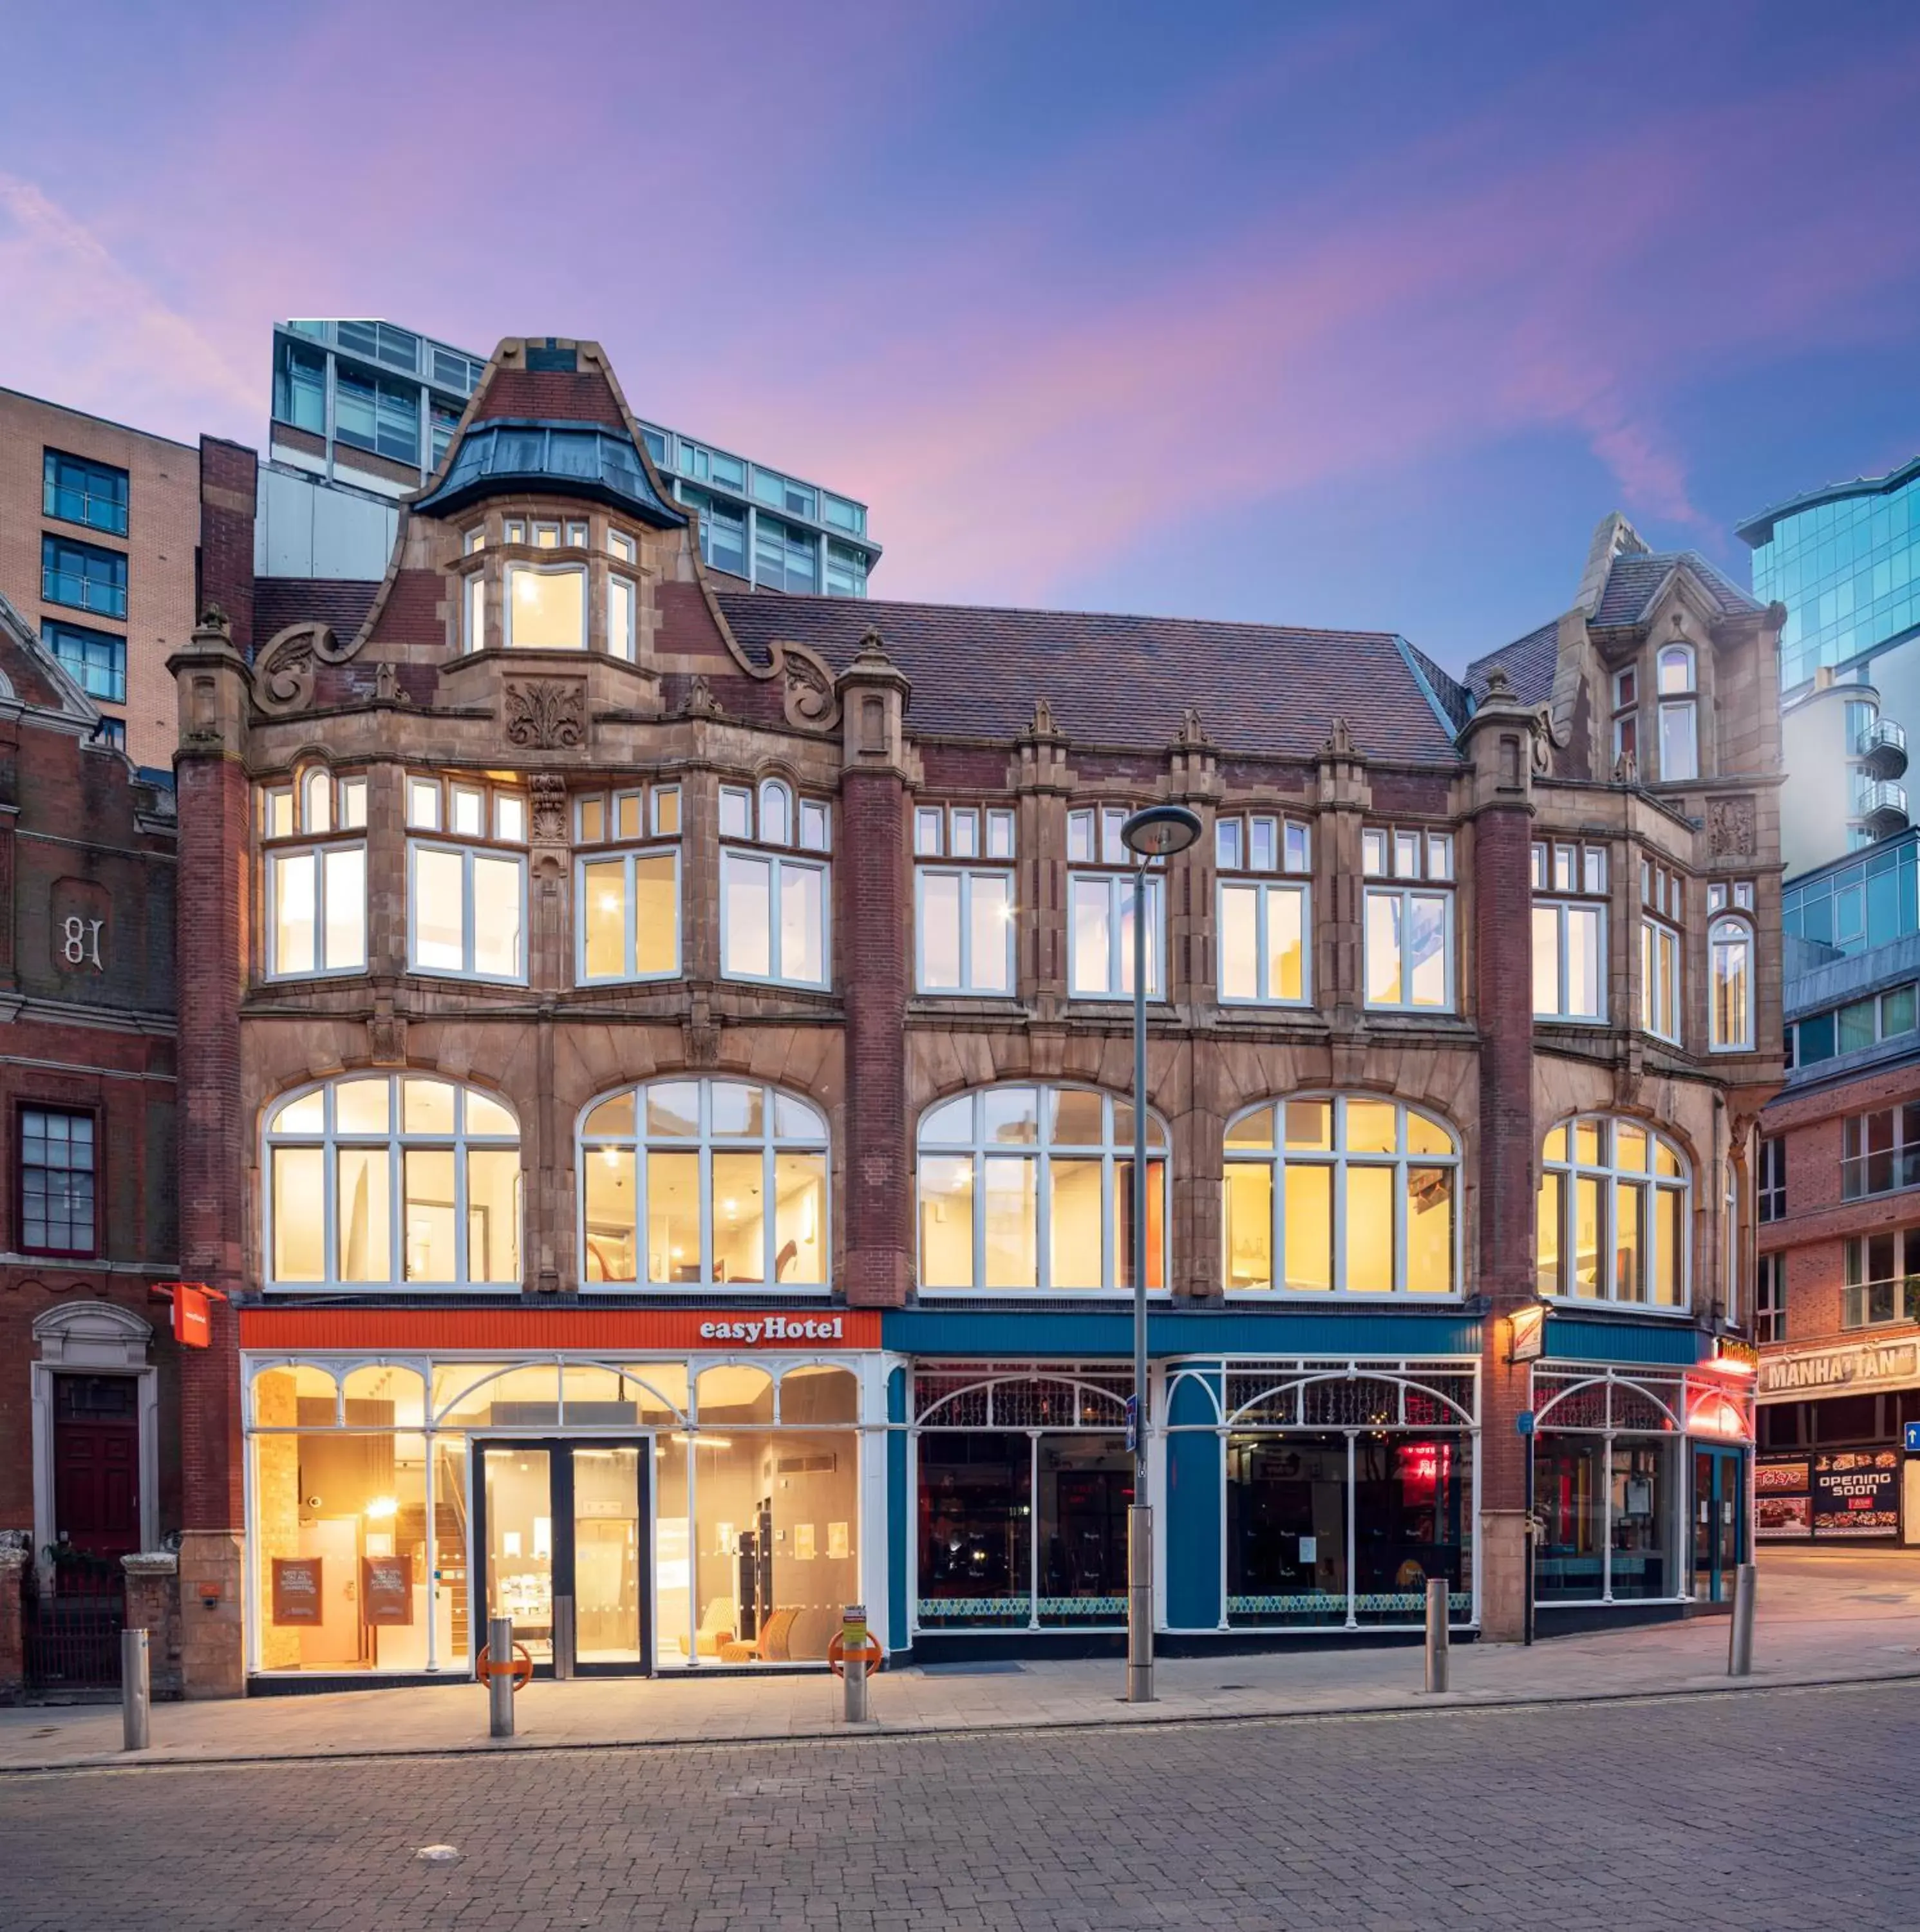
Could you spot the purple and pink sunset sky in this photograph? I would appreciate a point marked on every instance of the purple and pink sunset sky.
(1351, 315)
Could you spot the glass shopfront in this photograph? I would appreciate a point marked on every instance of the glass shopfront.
(1347, 1488)
(1023, 1483)
(1619, 1459)
(628, 1516)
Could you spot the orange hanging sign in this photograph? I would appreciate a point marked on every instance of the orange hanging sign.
(192, 1317)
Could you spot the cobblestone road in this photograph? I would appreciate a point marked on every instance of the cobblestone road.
(1783, 1809)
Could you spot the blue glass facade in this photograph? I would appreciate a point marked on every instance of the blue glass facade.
(1868, 901)
(1846, 565)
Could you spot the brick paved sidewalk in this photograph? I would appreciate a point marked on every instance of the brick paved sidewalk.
(1839, 1618)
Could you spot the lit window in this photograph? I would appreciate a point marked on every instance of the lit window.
(467, 901)
(392, 1180)
(473, 612)
(964, 913)
(1027, 1187)
(621, 606)
(774, 919)
(705, 1183)
(1100, 935)
(1351, 1193)
(628, 901)
(1569, 933)
(1661, 904)
(1265, 930)
(1612, 1215)
(474, 541)
(623, 546)
(546, 608)
(315, 875)
(1730, 985)
(56, 1182)
(1408, 930)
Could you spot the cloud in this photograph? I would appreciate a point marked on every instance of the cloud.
(83, 329)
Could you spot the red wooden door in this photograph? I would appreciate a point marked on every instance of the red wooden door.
(96, 1463)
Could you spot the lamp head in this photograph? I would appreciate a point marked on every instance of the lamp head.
(1157, 831)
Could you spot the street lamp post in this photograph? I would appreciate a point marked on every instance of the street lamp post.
(1151, 833)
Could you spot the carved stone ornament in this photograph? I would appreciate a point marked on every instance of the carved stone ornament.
(548, 791)
(701, 703)
(1730, 828)
(699, 1034)
(807, 694)
(1626, 770)
(1193, 732)
(1043, 725)
(283, 672)
(546, 714)
(386, 1037)
(387, 686)
(1499, 686)
(1340, 742)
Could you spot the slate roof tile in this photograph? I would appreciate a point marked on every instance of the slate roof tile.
(278, 601)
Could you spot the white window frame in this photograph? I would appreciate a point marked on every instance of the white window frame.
(770, 1142)
(567, 569)
(395, 1140)
(1113, 1155)
(467, 854)
(1406, 894)
(1279, 1157)
(779, 863)
(1724, 934)
(970, 985)
(624, 856)
(340, 827)
(1264, 890)
(1559, 903)
(1119, 888)
(1610, 1175)
(1663, 980)
(625, 648)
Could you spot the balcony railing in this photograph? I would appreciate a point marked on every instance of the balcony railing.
(1882, 807)
(1883, 748)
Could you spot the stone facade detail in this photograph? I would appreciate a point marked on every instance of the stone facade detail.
(544, 714)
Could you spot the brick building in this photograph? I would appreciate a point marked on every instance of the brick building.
(89, 1403)
(101, 529)
(659, 1059)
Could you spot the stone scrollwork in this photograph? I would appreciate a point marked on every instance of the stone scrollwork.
(549, 790)
(283, 672)
(545, 714)
(1730, 828)
(808, 694)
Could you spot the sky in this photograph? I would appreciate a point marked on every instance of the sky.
(1359, 315)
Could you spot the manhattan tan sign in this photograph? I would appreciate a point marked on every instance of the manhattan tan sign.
(1818, 1371)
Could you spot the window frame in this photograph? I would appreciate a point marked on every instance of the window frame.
(1562, 902)
(1568, 1169)
(1857, 1282)
(1727, 932)
(626, 852)
(441, 837)
(1119, 946)
(52, 491)
(1770, 1297)
(1112, 1154)
(779, 860)
(639, 1145)
(1902, 1154)
(1264, 890)
(570, 565)
(22, 1108)
(81, 673)
(1770, 1180)
(307, 840)
(51, 573)
(968, 876)
(459, 1140)
(1337, 1158)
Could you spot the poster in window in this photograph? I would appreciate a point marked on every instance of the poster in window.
(1856, 1492)
(1783, 1499)
(296, 1590)
(386, 1589)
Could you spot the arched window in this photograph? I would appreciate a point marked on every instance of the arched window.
(1730, 985)
(384, 1180)
(1679, 731)
(1612, 1214)
(1032, 1187)
(1349, 1193)
(704, 1183)
(776, 813)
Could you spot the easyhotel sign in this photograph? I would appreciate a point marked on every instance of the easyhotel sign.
(519, 1328)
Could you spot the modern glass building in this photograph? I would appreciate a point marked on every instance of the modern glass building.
(363, 412)
(1845, 560)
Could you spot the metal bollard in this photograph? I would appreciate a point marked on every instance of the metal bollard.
(1439, 1594)
(565, 1649)
(853, 1663)
(500, 1684)
(135, 1689)
(1740, 1638)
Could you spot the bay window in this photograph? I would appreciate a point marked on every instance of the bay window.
(386, 1180)
(1730, 986)
(1340, 1192)
(1266, 927)
(704, 1183)
(546, 606)
(1569, 931)
(627, 885)
(1408, 932)
(1612, 1215)
(313, 845)
(1661, 908)
(1032, 1187)
(964, 909)
(466, 879)
(774, 920)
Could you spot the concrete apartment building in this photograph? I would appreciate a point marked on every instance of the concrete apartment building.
(659, 1059)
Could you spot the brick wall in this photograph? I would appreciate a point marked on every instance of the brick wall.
(229, 499)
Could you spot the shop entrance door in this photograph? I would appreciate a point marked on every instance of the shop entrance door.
(1720, 1511)
(560, 1537)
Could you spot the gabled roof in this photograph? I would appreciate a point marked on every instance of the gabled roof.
(1118, 680)
(30, 674)
(1528, 661)
(1635, 579)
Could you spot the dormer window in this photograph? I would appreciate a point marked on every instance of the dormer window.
(1626, 715)
(1679, 731)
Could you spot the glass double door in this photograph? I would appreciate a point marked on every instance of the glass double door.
(561, 1527)
(1719, 1516)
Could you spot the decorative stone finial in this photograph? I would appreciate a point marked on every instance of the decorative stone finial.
(1193, 732)
(1340, 742)
(701, 703)
(872, 649)
(1043, 725)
